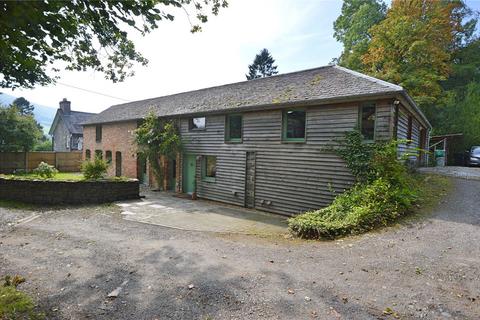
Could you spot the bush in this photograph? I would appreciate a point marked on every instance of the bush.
(384, 191)
(45, 170)
(94, 170)
(358, 210)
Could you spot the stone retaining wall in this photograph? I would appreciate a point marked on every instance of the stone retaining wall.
(67, 192)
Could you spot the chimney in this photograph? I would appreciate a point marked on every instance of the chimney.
(65, 106)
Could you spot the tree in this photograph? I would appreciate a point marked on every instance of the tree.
(17, 132)
(262, 66)
(156, 138)
(81, 34)
(412, 46)
(24, 106)
(352, 29)
(44, 144)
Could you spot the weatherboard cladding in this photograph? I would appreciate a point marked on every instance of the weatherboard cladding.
(289, 177)
(324, 83)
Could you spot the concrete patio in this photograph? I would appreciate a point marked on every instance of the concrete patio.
(168, 210)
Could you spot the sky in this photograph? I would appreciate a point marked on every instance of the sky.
(298, 33)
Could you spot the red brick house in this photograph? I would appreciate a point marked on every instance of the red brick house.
(260, 143)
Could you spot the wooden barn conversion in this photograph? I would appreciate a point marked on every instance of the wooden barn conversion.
(261, 143)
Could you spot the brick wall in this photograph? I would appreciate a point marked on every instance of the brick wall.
(72, 192)
(115, 137)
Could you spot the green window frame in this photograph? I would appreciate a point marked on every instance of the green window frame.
(289, 132)
(367, 121)
(234, 128)
(209, 168)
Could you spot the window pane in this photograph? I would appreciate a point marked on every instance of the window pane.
(210, 166)
(98, 154)
(98, 133)
(235, 127)
(368, 121)
(295, 125)
(197, 123)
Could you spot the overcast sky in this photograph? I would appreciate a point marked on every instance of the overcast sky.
(298, 33)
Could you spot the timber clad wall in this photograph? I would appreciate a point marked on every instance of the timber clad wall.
(289, 177)
(402, 133)
(115, 137)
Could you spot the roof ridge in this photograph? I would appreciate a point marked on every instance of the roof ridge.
(82, 112)
(227, 84)
(373, 79)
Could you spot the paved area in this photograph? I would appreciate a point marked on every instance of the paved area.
(456, 172)
(168, 210)
(73, 258)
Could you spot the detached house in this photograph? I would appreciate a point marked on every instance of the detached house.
(66, 129)
(260, 143)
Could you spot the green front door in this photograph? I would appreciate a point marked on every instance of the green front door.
(189, 165)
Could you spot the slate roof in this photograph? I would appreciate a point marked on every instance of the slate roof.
(319, 84)
(73, 120)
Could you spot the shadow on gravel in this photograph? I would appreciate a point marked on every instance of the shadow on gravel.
(159, 288)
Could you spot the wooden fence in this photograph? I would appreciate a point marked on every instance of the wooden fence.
(27, 161)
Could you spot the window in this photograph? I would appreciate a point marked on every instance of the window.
(98, 154)
(98, 133)
(196, 123)
(87, 154)
(294, 125)
(108, 156)
(118, 163)
(367, 121)
(233, 128)
(409, 129)
(209, 168)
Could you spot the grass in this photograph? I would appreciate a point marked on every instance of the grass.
(61, 176)
(10, 204)
(15, 304)
(432, 189)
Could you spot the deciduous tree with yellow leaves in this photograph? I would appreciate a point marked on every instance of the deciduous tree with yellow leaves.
(412, 46)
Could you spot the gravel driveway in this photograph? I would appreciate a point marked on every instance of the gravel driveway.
(73, 258)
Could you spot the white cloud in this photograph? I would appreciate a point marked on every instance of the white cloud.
(181, 61)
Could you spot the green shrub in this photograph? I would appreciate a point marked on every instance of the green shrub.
(94, 170)
(45, 170)
(384, 191)
(358, 210)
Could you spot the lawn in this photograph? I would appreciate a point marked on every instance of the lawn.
(61, 176)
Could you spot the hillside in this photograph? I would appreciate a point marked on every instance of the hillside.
(43, 114)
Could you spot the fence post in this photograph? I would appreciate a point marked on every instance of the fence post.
(26, 161)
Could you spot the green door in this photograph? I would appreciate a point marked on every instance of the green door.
(189, 165)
